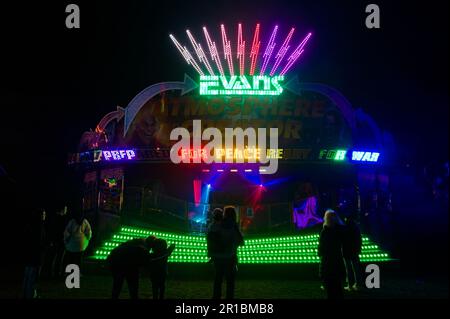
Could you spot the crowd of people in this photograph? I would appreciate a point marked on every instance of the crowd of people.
(61, 240)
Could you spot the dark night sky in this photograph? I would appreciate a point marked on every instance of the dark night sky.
(58, 83)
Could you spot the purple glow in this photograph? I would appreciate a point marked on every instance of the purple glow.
(295, 55)
(282, 52)
(305, 213)
(118, 155)
(269, 50)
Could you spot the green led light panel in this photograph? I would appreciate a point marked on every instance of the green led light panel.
(241, 85)
(268, 250)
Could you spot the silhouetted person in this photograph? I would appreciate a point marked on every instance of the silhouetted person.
(158, 267)
(125, 262)
(33, 251)
(351, 248)
(332, 269)
(225, 261)
(77, 235)
(213, 240)
(55, 251)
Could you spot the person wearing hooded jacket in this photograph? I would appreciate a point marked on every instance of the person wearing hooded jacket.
(77, 235)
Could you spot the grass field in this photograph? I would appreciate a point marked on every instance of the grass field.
(393, 286)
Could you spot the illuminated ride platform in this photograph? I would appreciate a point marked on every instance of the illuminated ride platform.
(295, 249)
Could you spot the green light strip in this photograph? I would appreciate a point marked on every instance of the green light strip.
(142, 232)
(246, 247)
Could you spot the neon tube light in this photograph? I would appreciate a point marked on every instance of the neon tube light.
(200, 53)
(255, 49)
(295, 55)
(202, 64)
(186, 55)
(282, 52)
(241, 51)
(213, 51)
(269, 50)
(227, 50)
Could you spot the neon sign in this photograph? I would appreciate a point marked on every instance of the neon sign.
(240, 85)
(337, 155)
(284, 58)
(243, 154)
(214, 136)
(360, 156)
(356, 156)
(227, 154)
(118, 155)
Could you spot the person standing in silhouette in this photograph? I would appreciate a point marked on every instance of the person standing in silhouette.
(213, 241)
(225, 260)
(352, 243)
(331, 268)
(55, 250)
(34, 240)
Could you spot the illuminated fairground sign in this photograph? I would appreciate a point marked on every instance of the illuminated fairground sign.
(240, 85)
(356, 156)
(245, 155)
(360, 156)
(103, 155)
(230, 154)
(118, 155)
(222, 74)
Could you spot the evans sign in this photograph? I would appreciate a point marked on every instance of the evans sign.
(240, 85)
